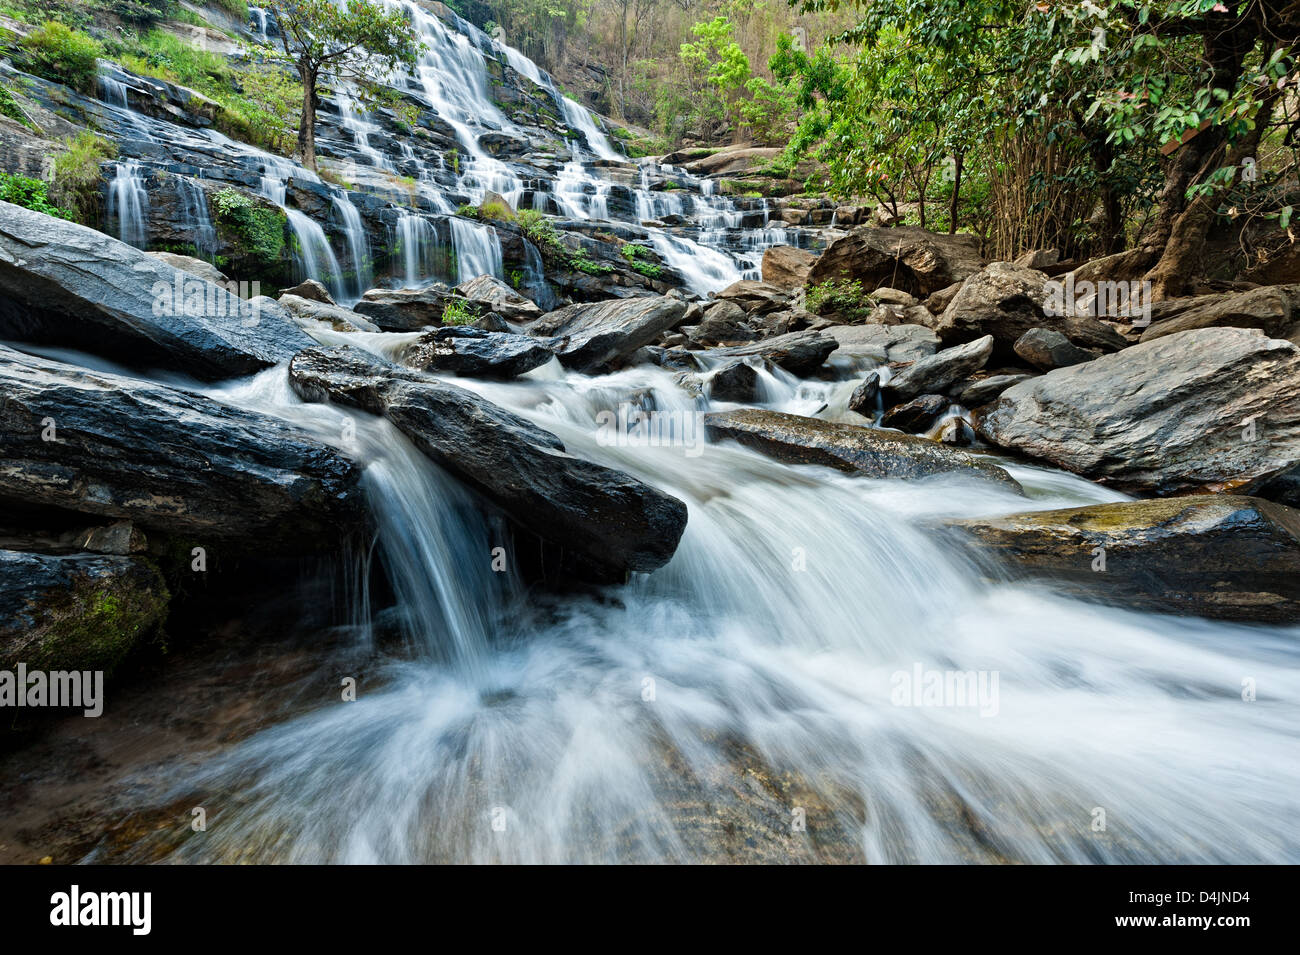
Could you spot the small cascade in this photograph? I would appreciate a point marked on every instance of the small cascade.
(313, 255)
(262, 22)
(478, 249)
(197, 220)
(354, 120)
(128, 205)
(416, 238)
(354, 233)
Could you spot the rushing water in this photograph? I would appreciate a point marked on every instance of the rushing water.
(694, 713)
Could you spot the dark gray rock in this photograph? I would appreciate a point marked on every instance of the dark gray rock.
(76, 611)
(1213, 409)
(407, 309)
(916, 416)
(938, 372)
(607, 523)
(475, 353)
(1046, 349)
(172, 462)
(736, 382)
(865, 451)
(66, 285)
(590, 336)
(800, 353)
(1221, 556)
(496, 296)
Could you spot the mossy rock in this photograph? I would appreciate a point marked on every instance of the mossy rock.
(253, 233)
(76, 611)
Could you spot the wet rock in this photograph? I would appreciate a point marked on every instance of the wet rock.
(475, 353)
(977, 391)
(916, 416)
(865, 451)
(735, 382)
(723, 321)
(76, 611)
(957, 432)
(755, 298)
(496, 296)
(906, 258)
(866, 396)
(65, 285)
(787, 267)
(407, 309)
(592, 335)
(311, 290)
(172, 462)
(309, 313)
(1274, 310)
(1220, 556)
(800, 353)
(1046, 349)
(607, 523)
(1214, 409)
(187, 263)
(939, 371)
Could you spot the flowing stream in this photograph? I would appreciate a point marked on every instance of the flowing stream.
(695, 714)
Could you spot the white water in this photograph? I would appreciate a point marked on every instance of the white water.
(478, 249)
(128, 204)
(534, 710)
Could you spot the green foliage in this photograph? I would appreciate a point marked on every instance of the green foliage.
(61, 54)
(255, 231)
(78, 176)
(10, 107)
(458, 312)
(541, 233)
(844, 297)
(30, 194)
(636, 257)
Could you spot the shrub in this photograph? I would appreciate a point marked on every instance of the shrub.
(256, 232)
(61, 54)
(9, 107)
(636, 257)
(839, 297)
(30, 194)
(458, 312)
(78, 176)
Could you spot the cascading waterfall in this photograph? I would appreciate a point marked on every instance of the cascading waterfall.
(313, 254)
(478, 249)
(626, 727)
(128, 204)
(415, 234)
(354, 234)
(196, 219)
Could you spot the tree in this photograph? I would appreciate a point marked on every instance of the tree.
(357, 41)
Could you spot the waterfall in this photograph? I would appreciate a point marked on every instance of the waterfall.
(128, 204)
(195, 217)
(416, 237)
(313, 255)
(478, 249)
(621, 727)
(354, 234)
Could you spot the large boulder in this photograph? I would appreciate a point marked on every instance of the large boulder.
(590, 336)
(1046, 348)
(906, 258)
(1207, 410)
(800, 353)
(939, 371)
(407, 309)
(864, 451)
(786, 266)
(496, 296)
(172, 462)
(76, 611)
(1275, 311)
(606, 522)
(883, 343)
(755, 298)
(65, 285)
(722, 322)
(311, 313)
(188, 263)
(1222, 556)
(475, 353)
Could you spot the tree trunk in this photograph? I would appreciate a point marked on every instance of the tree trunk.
(1178, 237)
(306, 153)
